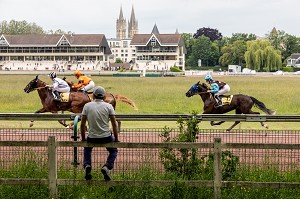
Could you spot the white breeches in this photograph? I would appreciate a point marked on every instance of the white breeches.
(90, 86)
(225, 89)
(62, 90)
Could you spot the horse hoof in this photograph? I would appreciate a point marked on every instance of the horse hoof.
(31, 125)
(266, 126)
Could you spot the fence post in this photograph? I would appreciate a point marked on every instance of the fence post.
(75, 136)
(217, 168)
(52, 167)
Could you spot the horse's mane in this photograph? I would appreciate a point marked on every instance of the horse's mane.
(204, 86)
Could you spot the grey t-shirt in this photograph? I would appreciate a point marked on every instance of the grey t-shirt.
(98, 113)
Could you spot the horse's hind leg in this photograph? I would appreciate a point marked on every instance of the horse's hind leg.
(237, 111)
(262, 123)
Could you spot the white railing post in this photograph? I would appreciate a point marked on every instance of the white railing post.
(52, 167)
(217, 168)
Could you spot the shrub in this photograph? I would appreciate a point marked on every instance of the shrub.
(175, 69)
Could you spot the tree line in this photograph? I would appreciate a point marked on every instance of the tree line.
(260, 54)
(209, 46)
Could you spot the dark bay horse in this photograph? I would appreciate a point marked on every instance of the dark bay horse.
(242, 104)
(76, 99)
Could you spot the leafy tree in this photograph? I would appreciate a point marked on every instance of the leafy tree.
(242, 36)
(188, 41)
(233, 53)
(212, 34)
(205, 50)
(118, 61)
(262, 56)
(20, 27)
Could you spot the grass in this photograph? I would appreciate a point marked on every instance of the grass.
(38, 169)
(165, 95)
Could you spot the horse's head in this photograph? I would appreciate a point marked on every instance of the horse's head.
(196, 89)
(32, 85)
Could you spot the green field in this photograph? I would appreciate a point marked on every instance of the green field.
(162, 95)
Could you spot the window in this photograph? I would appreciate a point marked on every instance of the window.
(153, 41)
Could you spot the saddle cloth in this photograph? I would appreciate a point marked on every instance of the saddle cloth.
(226, 99)
(64, 97)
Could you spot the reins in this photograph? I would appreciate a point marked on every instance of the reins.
(199, 93)
(38, 88)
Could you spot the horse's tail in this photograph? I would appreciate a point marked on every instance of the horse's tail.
(262, 106)
(125, 99)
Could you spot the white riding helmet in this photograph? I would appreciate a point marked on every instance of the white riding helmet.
(52, 75)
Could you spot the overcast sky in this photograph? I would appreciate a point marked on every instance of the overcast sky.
(99, 16)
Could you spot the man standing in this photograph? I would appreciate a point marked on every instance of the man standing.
(98, 113)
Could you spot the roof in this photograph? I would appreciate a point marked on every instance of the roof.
(163, 39)
(53, 40)
(295, 55)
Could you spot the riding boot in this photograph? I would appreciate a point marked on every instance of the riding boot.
(56, 96)
(219, 102)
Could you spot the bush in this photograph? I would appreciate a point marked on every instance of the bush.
(288, 69)
(175, 69)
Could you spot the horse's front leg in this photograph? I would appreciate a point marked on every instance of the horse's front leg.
(213, 123)
(42, 110)
(232, 126)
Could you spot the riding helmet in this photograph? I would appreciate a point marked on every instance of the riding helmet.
(77, 73)
(52, 75)
(208, 77)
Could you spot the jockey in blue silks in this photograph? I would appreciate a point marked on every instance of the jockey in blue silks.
(216, 89)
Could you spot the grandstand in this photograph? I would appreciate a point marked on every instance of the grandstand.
(54, 52)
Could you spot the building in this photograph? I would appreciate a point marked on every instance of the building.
(153, 51)
(48, 52)
(294, 60)
(158, 51)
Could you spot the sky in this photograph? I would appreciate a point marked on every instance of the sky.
(186, 16)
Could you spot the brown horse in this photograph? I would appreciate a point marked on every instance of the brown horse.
(76, 99)
(242, 104)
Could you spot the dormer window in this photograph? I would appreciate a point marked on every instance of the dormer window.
(153, 41)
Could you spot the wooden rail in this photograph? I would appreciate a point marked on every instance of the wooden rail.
(217, 182)
(159, 117)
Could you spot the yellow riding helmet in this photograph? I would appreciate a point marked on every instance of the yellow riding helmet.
(77, 73)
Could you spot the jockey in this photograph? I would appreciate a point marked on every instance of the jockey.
(58, 86)
(84, 83)
(218, 88)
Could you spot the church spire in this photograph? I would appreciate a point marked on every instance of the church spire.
(132, 24)
(121, 26)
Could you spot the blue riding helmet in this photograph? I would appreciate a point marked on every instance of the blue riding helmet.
(208, 78)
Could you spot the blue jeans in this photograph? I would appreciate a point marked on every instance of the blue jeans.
(113, 152)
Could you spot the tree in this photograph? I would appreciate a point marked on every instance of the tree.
(212, 34)
(262, 56)
(20, 27)
(188, 41)
(242, 36)
(205, 50)
(233, 53)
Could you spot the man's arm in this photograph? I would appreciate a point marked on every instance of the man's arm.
(82, 127)
(114, 126)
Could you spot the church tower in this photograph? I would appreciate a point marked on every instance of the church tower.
(121, 26)
(132, 25)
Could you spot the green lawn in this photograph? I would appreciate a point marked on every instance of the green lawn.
(163, 95)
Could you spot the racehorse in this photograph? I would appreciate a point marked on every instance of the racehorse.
(242, 104)
(76, 99)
